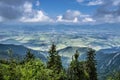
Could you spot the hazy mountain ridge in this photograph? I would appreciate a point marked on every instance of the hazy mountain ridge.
(105, 62)
(18, 51)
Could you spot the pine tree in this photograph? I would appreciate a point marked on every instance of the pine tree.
(76, 70)
(54, 60)
(54, 63)
(91, 65)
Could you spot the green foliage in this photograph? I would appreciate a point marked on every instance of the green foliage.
(91, 65)
(34, 70)
(54, 63)
(77, 69)
(54, 60)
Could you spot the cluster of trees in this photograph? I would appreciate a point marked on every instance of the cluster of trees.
(31, 68)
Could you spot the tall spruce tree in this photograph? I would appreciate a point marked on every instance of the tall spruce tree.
(54, 60)
(91, 65)
(54, 63)
(76, 71)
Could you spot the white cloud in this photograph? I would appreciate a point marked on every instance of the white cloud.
(75, 20)
(31, 15)
(27, 7)
(74, 16)
(109, 12)
(37, 16)
(60, 19)
(69, 16)
(12, 9)
(97, 2)
(87, 19)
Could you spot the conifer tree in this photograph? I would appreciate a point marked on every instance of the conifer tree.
(76, 71)
(54, 60)
(54, 63)
(91, 65)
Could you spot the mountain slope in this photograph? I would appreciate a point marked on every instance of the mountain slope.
(18, 51)
(108, 60)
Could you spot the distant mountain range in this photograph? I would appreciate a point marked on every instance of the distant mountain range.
(18, 51)
(107, 59)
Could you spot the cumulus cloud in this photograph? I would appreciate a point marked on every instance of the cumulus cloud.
(21, 10)
(37, 16)
(70, 15)
(108, 12)
(31, 15)
(11, 9)
(27, 7)
(74, 16)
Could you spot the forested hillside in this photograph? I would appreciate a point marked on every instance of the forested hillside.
(33, 68)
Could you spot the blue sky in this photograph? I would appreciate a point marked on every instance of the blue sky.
(56, 7)
(60, 11)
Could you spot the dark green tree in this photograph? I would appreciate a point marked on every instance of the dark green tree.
(55, 64)
(54, 60)
(76, 69)
(91, 65)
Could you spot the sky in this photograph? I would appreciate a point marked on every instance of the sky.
(60, 11)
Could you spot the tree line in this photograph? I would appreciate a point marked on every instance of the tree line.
(31, 68)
